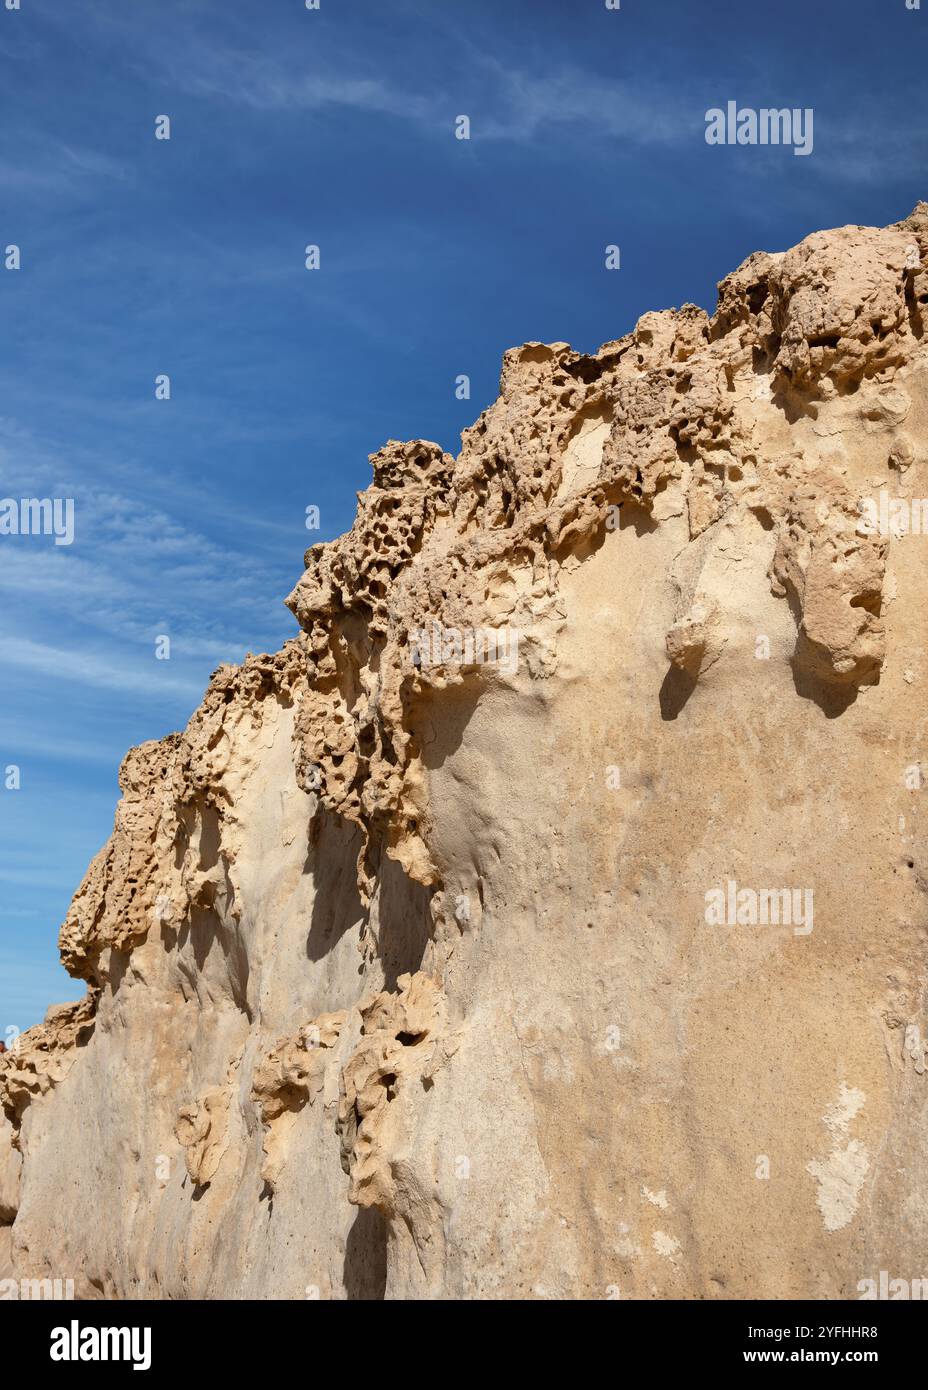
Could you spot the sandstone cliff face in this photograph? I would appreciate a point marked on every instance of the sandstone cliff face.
(413, 973)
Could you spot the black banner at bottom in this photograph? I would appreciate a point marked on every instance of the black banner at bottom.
(171, 1338)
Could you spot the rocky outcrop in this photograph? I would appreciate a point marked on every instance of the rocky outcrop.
(291, 1075)
(44, 1056)
(402, 974)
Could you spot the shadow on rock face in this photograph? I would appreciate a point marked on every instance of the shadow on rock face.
(365, 1272)
(676, 688)
(336, 906)
(813, 680)
(404, 922)
(398, 915)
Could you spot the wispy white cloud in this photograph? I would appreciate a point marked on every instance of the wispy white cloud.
(43, 165)
(264, 84)
(505, 103)
(29, 743)
(101, 670)
(87, 616)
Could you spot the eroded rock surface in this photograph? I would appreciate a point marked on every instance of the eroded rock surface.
(401, 980)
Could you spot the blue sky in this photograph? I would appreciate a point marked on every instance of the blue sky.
(336, 127)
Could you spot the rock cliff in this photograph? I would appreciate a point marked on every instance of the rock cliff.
(548, 917)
